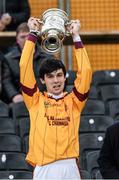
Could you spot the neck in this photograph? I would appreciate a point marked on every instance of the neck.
(56, 96)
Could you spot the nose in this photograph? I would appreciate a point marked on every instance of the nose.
(55, 79)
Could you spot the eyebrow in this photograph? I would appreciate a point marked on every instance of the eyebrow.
(50, 74)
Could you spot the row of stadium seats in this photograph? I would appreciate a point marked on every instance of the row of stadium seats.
(94, 111)
(97, 115)
(88, 124)
(92, 107)
(105, 84)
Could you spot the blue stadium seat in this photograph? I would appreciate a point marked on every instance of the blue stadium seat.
(14, 161)
(90, 160)
(114, 109)
(19, 110)
(94, 93)
(103, 77)
(23, 126)
(25, 143)
(95, 123)
(4, 109)
(7, 126)
(85, 174)
(10, 143)
(89, 142)
(94, 107)
(109, 92)
(16, 174)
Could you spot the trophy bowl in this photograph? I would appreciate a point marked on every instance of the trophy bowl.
(53, 30)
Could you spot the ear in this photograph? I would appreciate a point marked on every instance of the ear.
(65, 78)
(42, 81)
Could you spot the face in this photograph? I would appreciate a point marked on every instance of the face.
(21, 38)
(54, 82)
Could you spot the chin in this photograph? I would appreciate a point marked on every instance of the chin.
(58, 93)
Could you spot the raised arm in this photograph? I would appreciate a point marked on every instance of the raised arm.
(84, 73)
(27, 77)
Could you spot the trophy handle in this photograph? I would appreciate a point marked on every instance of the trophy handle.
(40, 22)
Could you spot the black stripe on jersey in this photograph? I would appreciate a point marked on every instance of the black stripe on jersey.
(29, 91)
(80, 96)
(78, 44)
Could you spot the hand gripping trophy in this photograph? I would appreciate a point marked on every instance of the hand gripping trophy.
(53, 30)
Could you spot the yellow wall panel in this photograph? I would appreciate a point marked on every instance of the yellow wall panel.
(102, 56)
(96, 15)
(39, 6)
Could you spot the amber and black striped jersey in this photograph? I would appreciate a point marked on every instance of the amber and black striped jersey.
(54, 123)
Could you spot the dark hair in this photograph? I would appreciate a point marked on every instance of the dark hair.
(50, 65)
(22, 27)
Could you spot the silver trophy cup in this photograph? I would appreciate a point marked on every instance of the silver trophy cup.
(53, 29)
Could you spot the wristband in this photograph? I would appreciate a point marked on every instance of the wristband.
(76, 38)
(34, 32)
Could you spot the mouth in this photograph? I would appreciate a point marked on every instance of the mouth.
(56, 87)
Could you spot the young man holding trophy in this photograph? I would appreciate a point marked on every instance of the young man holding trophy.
(55, 114)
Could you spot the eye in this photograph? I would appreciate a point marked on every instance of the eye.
(60, 74)
(49, 76)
